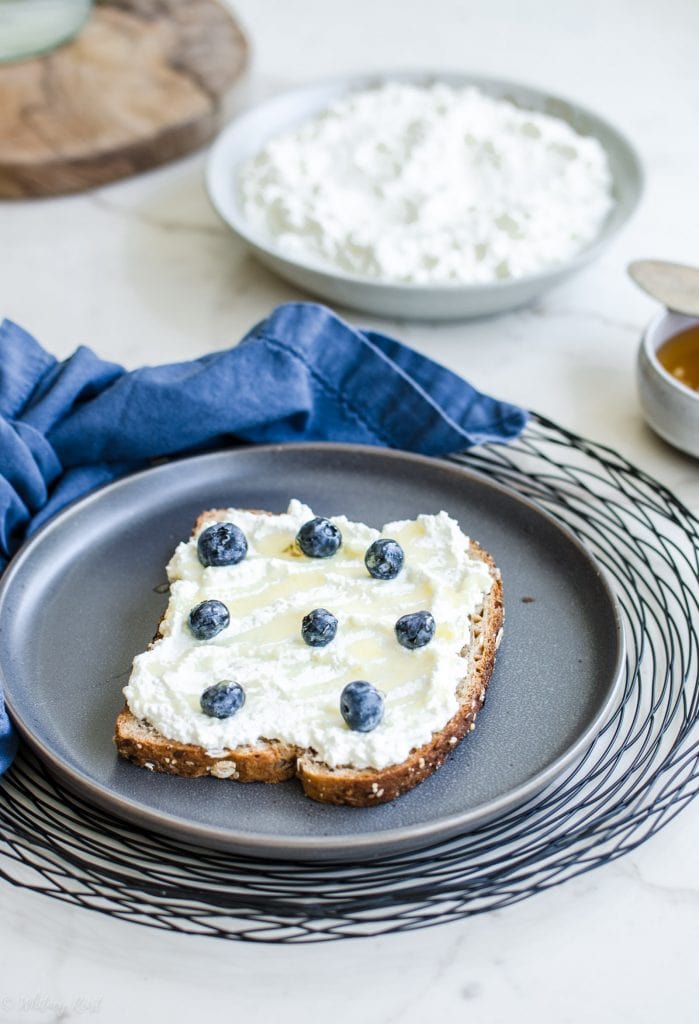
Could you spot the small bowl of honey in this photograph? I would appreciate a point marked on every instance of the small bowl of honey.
(668, 379)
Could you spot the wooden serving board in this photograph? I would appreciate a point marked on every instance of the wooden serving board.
(143, 83)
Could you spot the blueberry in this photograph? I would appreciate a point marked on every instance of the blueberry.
(319, 538)
(222, 699)
(222, 544)
(319, 627)
(415, 630)
(361, 706)
(208, 619)
(384, 559)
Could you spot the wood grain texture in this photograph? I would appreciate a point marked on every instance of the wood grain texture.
(143, 83)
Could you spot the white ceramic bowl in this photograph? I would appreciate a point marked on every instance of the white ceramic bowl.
(249, 133)
(670, 408)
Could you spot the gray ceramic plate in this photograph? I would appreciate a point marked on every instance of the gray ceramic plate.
(250, 132)
(86, 593)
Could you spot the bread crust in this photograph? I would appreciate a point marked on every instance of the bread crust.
(272, 761)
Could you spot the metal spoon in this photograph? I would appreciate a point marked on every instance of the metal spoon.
(674, 284)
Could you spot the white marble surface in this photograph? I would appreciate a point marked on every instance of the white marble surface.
(144, 271)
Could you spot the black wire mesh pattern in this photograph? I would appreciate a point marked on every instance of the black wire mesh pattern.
(639, 773)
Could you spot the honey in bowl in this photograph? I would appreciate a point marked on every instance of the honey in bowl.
(679, 355)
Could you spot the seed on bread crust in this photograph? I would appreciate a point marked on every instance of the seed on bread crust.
(224, 770)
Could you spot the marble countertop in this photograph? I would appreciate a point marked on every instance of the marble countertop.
(144, 271)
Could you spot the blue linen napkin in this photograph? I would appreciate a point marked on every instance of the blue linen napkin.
(303, 374)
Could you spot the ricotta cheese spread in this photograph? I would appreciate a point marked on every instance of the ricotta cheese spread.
(293, 690)
(428, 185)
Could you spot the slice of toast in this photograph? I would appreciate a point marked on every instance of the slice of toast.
(275, 761)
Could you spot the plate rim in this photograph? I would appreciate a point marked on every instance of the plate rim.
(307, 848)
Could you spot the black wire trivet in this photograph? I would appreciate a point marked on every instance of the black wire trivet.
(639, 773)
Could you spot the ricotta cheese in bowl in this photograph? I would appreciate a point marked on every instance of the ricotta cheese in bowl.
(429, 185)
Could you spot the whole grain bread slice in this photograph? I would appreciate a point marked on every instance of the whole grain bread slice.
(272, 761)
